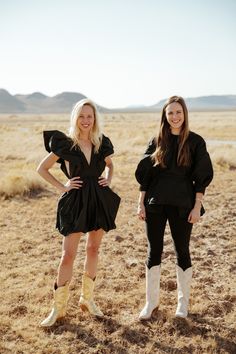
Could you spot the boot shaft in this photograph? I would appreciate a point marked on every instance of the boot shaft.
(183, 289)
(87, 287)
(153, 283)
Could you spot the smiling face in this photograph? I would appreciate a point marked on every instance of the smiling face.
(175, 117)
(86, 119)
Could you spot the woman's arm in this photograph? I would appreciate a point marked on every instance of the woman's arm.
(106, 181)
(141, 212)
(43, 169)
(202, 176)
(195, 213)
(202, 168)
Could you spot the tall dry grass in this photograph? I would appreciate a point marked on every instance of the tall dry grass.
(16, 184)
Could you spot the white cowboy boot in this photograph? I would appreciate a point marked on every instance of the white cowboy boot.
(152, 291)
(183, 288)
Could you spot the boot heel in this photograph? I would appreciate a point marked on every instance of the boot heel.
(83, 308)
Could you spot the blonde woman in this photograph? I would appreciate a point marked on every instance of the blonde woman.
(87, 204)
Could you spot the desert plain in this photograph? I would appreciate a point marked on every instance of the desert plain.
(31, 248)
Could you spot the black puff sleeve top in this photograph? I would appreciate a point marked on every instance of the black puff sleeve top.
(175, 185)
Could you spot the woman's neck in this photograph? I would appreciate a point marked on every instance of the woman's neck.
(175, 131)
(84, 137)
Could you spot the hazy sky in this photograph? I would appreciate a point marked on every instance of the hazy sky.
(121, 52)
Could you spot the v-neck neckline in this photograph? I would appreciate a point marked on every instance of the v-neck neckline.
(91, 155)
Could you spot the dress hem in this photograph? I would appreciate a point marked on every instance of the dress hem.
(84, 232)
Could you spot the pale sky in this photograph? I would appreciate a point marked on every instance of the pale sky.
(118, 53)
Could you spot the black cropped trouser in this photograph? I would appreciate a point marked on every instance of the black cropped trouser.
(180, 231)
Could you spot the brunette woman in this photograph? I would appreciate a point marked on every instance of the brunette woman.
(173, 176)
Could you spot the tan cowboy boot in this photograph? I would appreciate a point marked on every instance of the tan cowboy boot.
(61, 296)
(152, 292)
(86, 299)
(183, 287)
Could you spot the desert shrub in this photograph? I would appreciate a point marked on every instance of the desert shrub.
(224, 157)
(16, 183)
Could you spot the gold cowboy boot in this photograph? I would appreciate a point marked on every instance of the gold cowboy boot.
(86, 299)
(61, 296)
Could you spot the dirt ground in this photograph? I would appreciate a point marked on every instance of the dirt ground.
(31, 247)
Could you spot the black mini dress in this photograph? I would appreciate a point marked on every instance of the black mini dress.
(92, 207)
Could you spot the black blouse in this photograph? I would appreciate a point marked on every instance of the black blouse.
(175, 185)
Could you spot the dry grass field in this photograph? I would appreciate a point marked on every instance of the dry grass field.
(30, 250)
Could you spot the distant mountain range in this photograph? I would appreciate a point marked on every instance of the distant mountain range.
(62, 103)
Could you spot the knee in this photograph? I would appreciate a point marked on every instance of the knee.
(92, 250)
(67, 258)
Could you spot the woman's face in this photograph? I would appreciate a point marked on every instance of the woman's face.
(175, 117)
(86, 119)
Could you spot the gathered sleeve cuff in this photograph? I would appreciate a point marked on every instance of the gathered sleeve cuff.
(106, 147)
(202, 171)
(58, 143)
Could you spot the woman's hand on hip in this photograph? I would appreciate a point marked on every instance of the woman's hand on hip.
(194, 215)
(141, 212)
(104, 182)
(73, 183)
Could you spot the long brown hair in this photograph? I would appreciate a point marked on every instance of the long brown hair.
(163, 138)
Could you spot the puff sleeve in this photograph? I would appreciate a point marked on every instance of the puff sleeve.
(106, 147)
(144, 170)
(202, 174)
(58, 143)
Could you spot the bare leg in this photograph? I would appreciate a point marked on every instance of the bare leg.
(92, 249)
(69, 251)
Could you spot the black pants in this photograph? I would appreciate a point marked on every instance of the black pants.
(180, 231)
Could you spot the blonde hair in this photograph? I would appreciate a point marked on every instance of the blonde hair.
(162, 139)
(95, 134)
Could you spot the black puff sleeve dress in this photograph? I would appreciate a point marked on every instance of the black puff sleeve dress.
(175, 185)
(91, 207)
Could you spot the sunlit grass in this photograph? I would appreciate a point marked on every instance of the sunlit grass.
(17, 184)
(31, 249)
